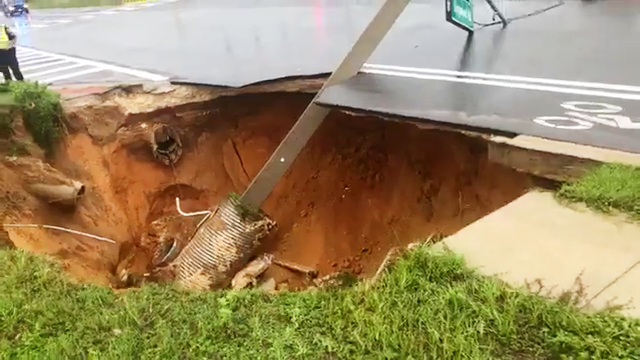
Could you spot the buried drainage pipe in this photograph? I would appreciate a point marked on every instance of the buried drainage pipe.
(64, 194)
(220, 247)
(38, 226)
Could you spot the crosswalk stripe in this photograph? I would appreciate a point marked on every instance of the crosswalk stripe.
(31, 57)
(72, 75)
(46, 67)
(36, 67)
(55, 70)
(37, 61)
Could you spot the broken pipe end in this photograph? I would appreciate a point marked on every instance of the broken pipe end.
(68, 194)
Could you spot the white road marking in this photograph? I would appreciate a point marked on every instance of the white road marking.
(31, 57)
(72, 75)
(547, 81)
(87, 17)
(37, 61)
(36, 67)
(118, 69)
(55, 70)
(40, 64)
(505, 84)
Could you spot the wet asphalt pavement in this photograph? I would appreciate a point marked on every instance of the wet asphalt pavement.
(590, 44)
(245, 41)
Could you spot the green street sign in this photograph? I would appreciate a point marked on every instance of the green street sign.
(460, 13)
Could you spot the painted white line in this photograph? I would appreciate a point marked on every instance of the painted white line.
(119, 69)
(55, 70)
(87, 17)
(39, 25)
(72, 75)
(30, 62)
(126, 8)
(63, 21)
(20, 51)
(512, 85)
(30, 57)
(107, 12)
(546, 81)
(35, 67)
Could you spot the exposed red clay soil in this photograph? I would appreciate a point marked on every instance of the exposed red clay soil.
(361, 186)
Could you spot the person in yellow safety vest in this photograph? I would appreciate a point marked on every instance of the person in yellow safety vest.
(8, 58)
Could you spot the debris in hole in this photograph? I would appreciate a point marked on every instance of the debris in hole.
(166, 237)
(166, 144)
(269, 286)
(221, 246)
(335, 280)
(249, 275)
(312, 273)
(45, 182)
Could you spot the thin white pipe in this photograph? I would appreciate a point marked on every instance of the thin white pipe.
(197, 213)
(100, 238)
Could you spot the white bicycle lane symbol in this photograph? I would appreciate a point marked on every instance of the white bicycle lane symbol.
(583, 115)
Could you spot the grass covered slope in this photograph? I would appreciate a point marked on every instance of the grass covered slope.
(430, 305)
(609, 187)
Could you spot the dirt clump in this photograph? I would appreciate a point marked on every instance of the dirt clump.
(360, 187)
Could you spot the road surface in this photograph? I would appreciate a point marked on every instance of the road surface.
(568, 74)
(55, 69)
(578, 51)
(246, 41)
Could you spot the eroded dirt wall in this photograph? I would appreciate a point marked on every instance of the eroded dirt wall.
(361, 186)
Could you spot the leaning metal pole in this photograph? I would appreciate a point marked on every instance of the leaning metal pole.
(497, 12)
(289, 149)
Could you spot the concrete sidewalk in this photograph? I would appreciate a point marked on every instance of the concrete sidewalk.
(535, 237)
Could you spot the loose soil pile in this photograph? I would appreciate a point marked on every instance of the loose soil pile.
(362, 185)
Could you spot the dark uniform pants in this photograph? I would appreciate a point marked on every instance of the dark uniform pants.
(9, 60)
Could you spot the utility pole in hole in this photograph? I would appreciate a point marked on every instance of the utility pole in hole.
(459, 13)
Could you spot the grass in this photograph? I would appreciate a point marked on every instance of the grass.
(245, 211)
(41, 112)
(430, 305)
(609, 187)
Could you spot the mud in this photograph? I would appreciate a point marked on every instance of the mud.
(361, 187)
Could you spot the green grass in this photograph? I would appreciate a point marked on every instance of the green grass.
(41, 112)
(429, 306)
(609, 187)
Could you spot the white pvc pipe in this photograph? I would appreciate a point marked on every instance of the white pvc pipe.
(100, 238)
(197, 213)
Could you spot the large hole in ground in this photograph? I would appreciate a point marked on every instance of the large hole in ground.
(361, 186)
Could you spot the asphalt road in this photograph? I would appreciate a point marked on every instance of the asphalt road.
(568, 74)
(571, 112)
(219, 42)
(55, 69)
(245, 41)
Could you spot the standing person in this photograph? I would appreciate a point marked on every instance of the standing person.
(8, 57)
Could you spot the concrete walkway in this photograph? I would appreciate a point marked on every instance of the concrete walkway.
(535, 237)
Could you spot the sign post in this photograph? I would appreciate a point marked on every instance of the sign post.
(460, 13)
